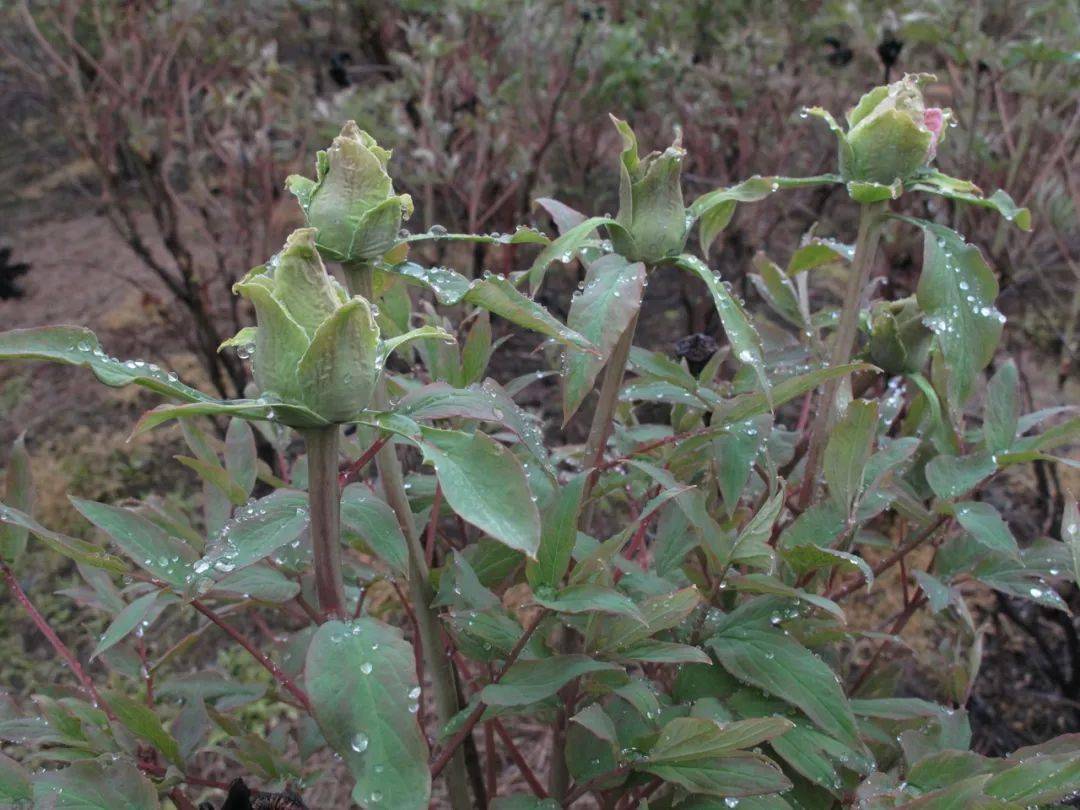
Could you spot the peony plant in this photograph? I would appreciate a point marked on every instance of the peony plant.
(669, 598)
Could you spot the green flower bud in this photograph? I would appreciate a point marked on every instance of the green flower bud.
(899, 340)
(314, 345)
(651, 210)
(891, 135)
(351, 201)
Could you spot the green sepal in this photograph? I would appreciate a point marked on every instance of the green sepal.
(338, 372)
(280, 341)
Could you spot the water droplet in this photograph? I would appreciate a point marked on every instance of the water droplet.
(365, 668)
(359, 743)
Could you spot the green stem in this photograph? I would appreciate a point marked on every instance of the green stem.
(604, 415)
(871, 219)
(599, 432)
(324, 499)
(432, 647)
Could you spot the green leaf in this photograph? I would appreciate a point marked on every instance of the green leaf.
(601, 312)
(19, 494)
(558, 535)
(763, 583)
(241, 457)
(950, 476)
(598, 722)
(695, 737)
(779, 665)
(476, 352)
(493, 293)
(848, 450)
(896, 708)
(590, 599)
(78, 550)
(531, 681)
(257, 582)
(1064, 433)
(522, 235)
(144, 724)
(255, 532)
(715, 208)
(1070, 532)
(361, 678)
(957, 290)
(564, 248)
(145, 543)
(460, 586)
(1002, 410)
(489, 402)
(777, 290)
(819, 526)
(96, 785)
(486, 635)
(497, 295)
(663, 652)
(934, 182)
(77, 346)
(817, 252)
(265, 408)
(733, 775)
(1039, 780)
(734, 453)
(14, 782)
(660, 612)
(522, 802)
(485, 484)
(390, 345)
(213, 473)
(745, 342)
(127, 620)
(373, 522)
(744, 406)
(815, 755)
(751, 544)
(984, 523)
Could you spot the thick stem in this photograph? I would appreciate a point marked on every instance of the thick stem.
(603, 416)
(324, 497)
(871, 220)
(436, 662)
(599, 432)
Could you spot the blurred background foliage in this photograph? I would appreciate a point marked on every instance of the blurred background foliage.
(186, 115)
(164, 131)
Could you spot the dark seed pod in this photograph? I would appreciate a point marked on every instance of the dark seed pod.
(839, 54)
(889, 49)
(697, 350)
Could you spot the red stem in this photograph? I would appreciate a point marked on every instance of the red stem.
(857, 582)
(61, 648)
(352, 471)
(474, 717)
(519, 760)
(244, 642)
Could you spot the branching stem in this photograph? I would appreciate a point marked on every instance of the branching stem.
(430, 637)
(871, 219)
